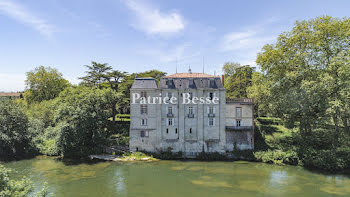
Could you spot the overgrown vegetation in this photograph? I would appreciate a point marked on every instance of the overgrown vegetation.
(18, 188)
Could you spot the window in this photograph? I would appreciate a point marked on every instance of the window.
(212, 83)
(143, 94)
(238, 123)
(143, 121)
(170, 110)
(170, 122)
(211, 122)
(191, 82)
(143, 109)
(190, 130)
(144, 133)
(238, 112)
(211, 110)
(190, 110)
(176, 131)
(167, 131)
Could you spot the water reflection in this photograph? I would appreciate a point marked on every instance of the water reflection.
(177, 178)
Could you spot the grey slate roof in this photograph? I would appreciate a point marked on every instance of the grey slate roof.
(184, 83)
(144, 83)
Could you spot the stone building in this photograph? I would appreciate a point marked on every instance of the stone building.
(189, 127)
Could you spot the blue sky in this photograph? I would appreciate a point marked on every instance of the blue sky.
(139, 35)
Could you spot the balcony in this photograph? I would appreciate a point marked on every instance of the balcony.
(239, 128)
(190, 115)
(170, 115)
(211, 115)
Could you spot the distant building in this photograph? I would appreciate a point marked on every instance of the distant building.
(11, 95)
(189, 128)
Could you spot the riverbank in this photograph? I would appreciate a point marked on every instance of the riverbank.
(181, 178)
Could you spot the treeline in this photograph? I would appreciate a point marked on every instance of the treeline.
(57, 118)
(304, 80)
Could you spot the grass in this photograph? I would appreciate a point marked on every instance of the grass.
(138, 156)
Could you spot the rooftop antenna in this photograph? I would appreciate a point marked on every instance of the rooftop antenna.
(203, 64)
(176, 64)
(189, 70)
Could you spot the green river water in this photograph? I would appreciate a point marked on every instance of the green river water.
(178, 178)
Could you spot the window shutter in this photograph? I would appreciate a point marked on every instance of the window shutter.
(213, 121)
(166, 122)
(208, 121)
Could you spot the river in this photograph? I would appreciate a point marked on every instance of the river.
(178, 178)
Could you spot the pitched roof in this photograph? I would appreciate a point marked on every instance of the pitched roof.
(184, 83)
(144, 83)
(17, 94)
(190, 75)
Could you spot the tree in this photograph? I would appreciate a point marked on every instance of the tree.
(44, 83)
(81, 120)
(103, 76)
(237, 79)
(308, 71)
(96, 74)
(14, 136)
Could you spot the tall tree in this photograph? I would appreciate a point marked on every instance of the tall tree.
(308, 71)
(237, 79)
(44, 83)
(103, 76)
(96, 74)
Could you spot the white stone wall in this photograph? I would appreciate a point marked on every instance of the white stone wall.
(202, 138)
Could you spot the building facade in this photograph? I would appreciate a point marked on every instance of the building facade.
(189, 127)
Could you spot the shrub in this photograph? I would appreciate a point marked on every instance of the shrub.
(277, 157)
(14, 135)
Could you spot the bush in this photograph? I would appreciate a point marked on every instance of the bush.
(277, 157)
(14, 135)
(330, 160)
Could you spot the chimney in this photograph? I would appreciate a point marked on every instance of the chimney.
(223, 80)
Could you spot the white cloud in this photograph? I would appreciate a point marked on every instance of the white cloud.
(153, 21)
(21, 14)
(244, 40)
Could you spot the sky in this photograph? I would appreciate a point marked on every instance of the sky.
(140, 35)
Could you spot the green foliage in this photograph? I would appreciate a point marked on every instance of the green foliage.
(137, 156)
(277, 157)
(81, 120)
(305, 81)
(44, 83)
(17, 188)
(237, 79)
(14, 136)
